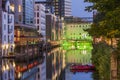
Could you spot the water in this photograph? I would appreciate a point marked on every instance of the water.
(78, 75)
(53, 63)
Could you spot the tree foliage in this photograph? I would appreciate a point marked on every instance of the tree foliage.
(101, 59)
(107, 19)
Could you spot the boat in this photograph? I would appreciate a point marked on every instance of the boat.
(82, 68)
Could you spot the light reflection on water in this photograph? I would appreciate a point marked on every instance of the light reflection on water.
(82, 76)
(78, 57)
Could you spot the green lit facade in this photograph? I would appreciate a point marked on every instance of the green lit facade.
(77, 43)
(75, 36)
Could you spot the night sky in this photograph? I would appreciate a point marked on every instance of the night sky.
(78, 7)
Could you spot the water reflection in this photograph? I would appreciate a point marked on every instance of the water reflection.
(78, 56)
(81, 57)
(46, 67)
(7, 69)
(54, 64)
(51, 66)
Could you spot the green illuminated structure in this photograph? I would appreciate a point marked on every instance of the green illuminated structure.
(76, 41)
(75, 36)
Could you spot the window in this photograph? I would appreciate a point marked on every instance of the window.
(37, 8)
(12, 7)
(37, 21)
(20, 18)
(19, 8)
(37, 27)
(38, 14)
(4, 16)
(4, 26)
(4, 37)
(38, 76)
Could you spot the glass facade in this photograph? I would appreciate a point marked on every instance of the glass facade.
(28, 12)
(62, 7)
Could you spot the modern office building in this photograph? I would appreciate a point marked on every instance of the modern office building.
(25, 30)
(28, 11)
(40, 19)
(62, 8)
(16, 6)
(66, 9)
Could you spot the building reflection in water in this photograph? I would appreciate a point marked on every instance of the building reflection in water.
(46, 67)
(55, 64)
(7, 69)
(78, 56)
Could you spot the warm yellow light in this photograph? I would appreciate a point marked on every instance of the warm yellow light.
(19, 75)
(12, 7)
(13, 45)
(7, 46)
(13, 64)
(3, 68)
(84, 51)
(19, 8)
(7, 67)
(3, 46)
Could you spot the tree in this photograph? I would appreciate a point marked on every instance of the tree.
(108, 18)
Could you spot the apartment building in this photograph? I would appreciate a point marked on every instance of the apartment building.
(40, 19)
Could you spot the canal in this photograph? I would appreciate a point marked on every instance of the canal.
(52, 65)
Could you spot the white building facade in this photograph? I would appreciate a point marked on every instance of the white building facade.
(40, 19)
(7, 40)
(40, 23)
(7, 30)
(8, 70)
(41, 75)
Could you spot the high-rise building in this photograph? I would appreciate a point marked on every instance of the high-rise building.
(16, 6)
(28, 12)
(40, 23)
(62, 8)
(25, 30)
(40, 19)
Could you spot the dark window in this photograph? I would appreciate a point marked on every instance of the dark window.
(38, 27)
(37, 21)
(20, 18)
(38, 76)
(38, 14)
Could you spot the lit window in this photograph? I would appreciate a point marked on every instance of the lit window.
(19, 8)
(12, 7)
